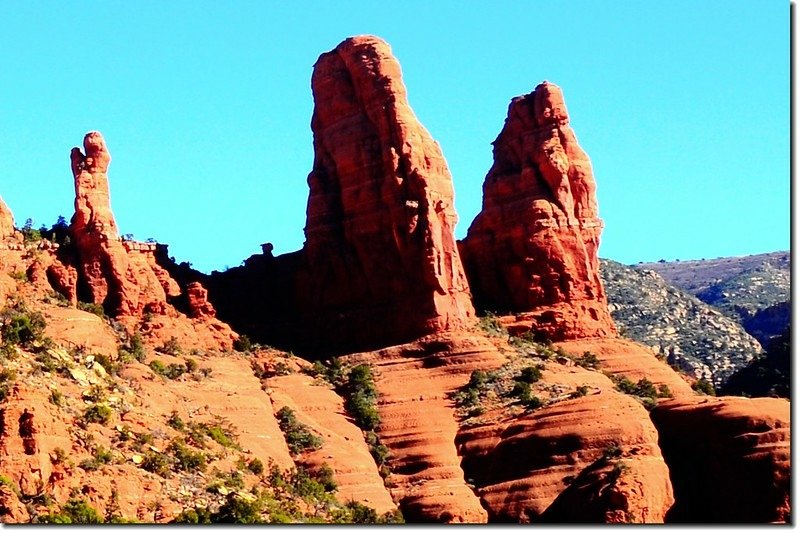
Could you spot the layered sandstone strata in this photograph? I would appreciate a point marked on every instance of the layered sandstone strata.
(533, 247)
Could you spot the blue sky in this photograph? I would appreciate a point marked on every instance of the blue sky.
(683, 107)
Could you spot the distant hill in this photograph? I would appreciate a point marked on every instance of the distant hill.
(753, 290)
(688, 332)
(764, 376)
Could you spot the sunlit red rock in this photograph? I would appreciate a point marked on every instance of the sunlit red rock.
(533, 247)
(381, 258)
(106, 274)
(6, 221)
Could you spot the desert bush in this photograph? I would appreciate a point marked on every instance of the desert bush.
(298, 436)
(21, 327)
(530, 374)
(171, 347)
(95, 309)
(98, 413)
(704, 386)
(187, 459)
(243, 344)
(75, 511)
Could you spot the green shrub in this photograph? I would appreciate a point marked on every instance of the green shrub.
(580, 391)
(588, 360)
(362, 397)
(256, 466)
(243, 344)
(530, 374)
(187, 459)
(98, 413)
(172, 347)
(29, 234)
(157, 463)
(664, 391)
(192, 365)
(75, 511)
(95, 309)
(56, 398)
(521, 390)
(199, 515)
(704, 386)
(158, 366)
(236, 510)
(491, 325)
(533, 403)
(298, 436)
(325, 477)
(111, 367)
(175, 422)
(21, 327)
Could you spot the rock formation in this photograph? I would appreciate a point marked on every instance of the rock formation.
(381, 259)
(533, 247)
(729, 458)
(106, 276)
(6, 221)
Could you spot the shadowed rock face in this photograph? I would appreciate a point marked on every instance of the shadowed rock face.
(533, 247)
(6, 221)
(381, 261)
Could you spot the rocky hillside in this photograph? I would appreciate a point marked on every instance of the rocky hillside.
(682, 329)
(129, 394)
(753, 290)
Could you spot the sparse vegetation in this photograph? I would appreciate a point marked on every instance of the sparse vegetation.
(361, 398)
(704, 386)
(19, 326)
(298, 436)
(98, 413)
(75, 511)
(243, 344)
(95, 309)
(133, 350)
(171, 347)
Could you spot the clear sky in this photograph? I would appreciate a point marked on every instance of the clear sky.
(682, 105)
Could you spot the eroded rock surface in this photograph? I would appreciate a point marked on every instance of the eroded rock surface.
(6, 221)
(729, 458)
(533, 246)
(381, 259)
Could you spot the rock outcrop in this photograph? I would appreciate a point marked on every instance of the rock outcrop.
(381, 260)
(6, 221)
(533, 246)
(729, 458)
(107, 276)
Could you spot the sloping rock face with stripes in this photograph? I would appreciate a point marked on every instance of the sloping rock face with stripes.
(381, 262)
(533, 247)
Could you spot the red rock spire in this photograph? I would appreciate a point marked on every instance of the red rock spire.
(380, 248)
(533, 247)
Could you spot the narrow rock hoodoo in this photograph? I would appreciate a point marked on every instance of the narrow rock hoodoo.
(381, 261)
(107, 274)
(533, 247)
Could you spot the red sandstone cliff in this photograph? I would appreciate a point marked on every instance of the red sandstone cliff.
(533, 247)
(381, 259)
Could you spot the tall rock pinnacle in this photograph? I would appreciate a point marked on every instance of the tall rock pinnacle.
(380, 251)
(106, 274)
(533, 247)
